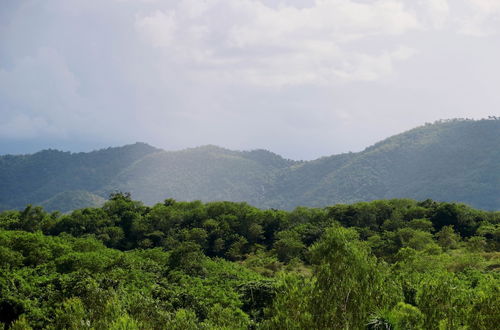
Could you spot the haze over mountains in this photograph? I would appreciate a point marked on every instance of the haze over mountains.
(456, 160)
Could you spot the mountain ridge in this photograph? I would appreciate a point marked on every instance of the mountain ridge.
(452, 160)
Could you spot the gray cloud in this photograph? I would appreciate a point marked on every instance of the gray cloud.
(301, 78)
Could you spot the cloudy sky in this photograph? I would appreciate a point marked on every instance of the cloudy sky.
(302, 78)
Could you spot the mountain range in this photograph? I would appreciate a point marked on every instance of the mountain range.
(453, 160)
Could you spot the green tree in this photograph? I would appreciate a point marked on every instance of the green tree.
(20, 324)
(447, 237)
(71, 315)
(443, 300)
(124, 322)
(406, 317)
(291, 308)
(350, 283)
(288, 245)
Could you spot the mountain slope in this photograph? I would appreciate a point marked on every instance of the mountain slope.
(457, 160)
(453, 161)
(38, 177)
(71, 200)
(206, 173)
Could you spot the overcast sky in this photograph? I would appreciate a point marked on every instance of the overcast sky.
(301, 78)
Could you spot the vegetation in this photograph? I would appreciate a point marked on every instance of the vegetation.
(386, 264)
(54, 177)
(456, 160)
(71, 200)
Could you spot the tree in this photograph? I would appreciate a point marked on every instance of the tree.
(447, 237)
(288, 245)
(71, 315)
(350, 283)
(291, 308)
(443, 300)
(406, 317)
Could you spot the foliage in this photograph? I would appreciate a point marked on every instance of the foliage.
(456, 160)
(389, 264)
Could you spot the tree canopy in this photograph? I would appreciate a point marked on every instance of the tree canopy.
(391, 264)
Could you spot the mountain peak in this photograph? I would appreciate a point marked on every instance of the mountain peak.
(455, 160)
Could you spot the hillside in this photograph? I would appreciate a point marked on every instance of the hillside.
(71, 200)
(206, 173)
(39, 177)
(448, 161)
(456, 160)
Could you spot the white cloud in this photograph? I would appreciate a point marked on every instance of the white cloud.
(439, 12)
(158, 27)
(40, 93)
(477, 18)
(21, 126)
(251, 42)
(486, 6)
(295, 76)
(482, 18)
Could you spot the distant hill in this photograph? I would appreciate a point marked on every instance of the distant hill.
(455, 160)
(206, 173)
(448, 161)
(37, 178)
(71, 200)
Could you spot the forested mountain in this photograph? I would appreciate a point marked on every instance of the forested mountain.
(38, 178)
(450, 161)
(72, 200)
(455, 160)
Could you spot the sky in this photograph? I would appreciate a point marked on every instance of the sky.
(301, 78)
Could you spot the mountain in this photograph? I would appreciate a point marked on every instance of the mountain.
(206, 173)
(453, 160)
(38, 177)
(72, 200)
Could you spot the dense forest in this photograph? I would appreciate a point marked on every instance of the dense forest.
(386, 264)
(454, 161)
